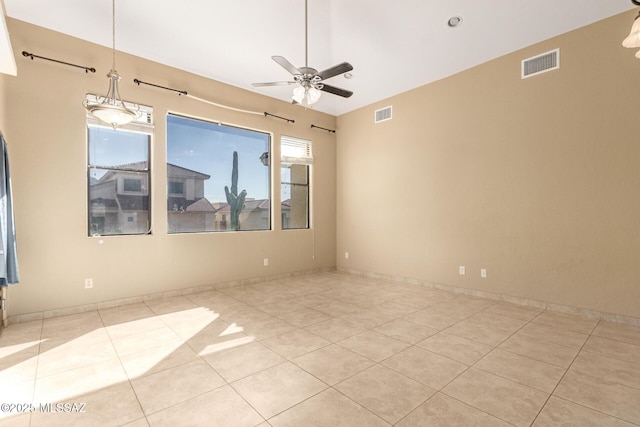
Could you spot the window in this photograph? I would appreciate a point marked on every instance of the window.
(176, 187)
(118, 176)
(203, 161)
(296, 159)
(133, 185)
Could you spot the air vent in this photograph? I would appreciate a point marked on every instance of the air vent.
(383, 114)
(541, 63)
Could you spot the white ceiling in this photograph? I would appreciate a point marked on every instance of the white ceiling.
(393, 46)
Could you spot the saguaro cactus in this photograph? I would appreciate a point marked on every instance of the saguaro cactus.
(235, 200)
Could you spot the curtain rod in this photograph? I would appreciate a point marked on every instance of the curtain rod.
(278, 117)
(184, 92)
(33, 56)
(180, 92)
(328, 130)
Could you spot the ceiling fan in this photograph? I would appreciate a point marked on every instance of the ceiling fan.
(310, 82)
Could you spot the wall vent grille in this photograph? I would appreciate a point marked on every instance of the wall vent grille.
(541, 63)
(383, 114)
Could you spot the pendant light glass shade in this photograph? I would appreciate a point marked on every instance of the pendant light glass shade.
(111, 109)
(633, 39)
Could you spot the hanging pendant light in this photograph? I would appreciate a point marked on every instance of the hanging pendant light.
(111, 109)
(633, 39)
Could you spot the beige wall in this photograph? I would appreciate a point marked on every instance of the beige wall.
(44, 123)
(536, 180)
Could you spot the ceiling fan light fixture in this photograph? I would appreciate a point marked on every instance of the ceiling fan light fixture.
(306, 96)
(111, 109)
(310, 81)
(298, 94)
(313, 95)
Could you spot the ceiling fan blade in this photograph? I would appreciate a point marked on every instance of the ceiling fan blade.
(336, 91)
(286, 65)
(273, 84)
(335, 70)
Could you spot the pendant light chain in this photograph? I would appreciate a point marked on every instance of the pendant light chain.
(111, 108)
(113, 32)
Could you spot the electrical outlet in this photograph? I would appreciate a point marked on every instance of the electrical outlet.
(346, 255)
(88, 283)
(483, 273)
(462, 270)
(266, 262)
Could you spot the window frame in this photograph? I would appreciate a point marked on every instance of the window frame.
(142, 125)
(304, 157)
(224, 218)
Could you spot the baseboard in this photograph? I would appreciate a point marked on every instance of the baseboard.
(559, 308)
(21, 318)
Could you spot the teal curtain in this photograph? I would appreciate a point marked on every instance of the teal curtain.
(9, 256)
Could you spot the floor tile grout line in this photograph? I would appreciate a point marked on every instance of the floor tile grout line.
(35, 374)
(124, 369)
(476, 362)
(517, 382)
(415, 346)
(364, 407)
(614, 339)
(586, 350)
(374, 364)
(565, 373)
(519, 330)
(594, 410)
(199, 395)
(471, 406)
(231, 384)
(182, 364)
(536, 359)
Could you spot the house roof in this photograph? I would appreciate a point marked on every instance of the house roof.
(173, 171)
(201, 205)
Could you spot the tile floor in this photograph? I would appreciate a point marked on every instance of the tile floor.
(325, 350)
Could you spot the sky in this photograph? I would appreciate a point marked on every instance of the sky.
(110, 148)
